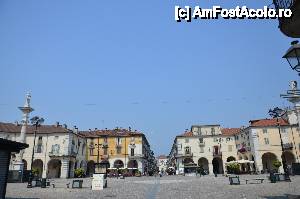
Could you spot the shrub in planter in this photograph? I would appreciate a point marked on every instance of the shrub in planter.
(233, 168)
(138, 174)
(276, 164)
(79, 173)
(35, 172)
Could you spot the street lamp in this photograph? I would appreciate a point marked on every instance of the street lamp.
(35, 121)
(293, 56)
(278, 113)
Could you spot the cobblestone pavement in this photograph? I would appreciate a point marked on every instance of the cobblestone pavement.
(165, 187)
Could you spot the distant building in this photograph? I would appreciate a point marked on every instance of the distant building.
(162, 162)
(119, 149)
(58, 151)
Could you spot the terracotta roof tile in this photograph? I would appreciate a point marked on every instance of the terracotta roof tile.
(14, 128)
(267, 122)
(186, 134)
(162, 157)
(230, 131)
(112, 133)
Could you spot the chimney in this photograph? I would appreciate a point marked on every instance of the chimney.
(129, 129)
(96, 129)
(90, 130)
(16, 123)
(65, 126)
(57, 124)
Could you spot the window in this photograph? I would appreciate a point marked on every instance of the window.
(201, 149)
(265, 131)
(91, 151)
(55, 149)
(237, 137)
(283, 130)
(228, 139)
(132, 151)
(56, 137)
(119, 141)
(212, 131)
(187, 140)
(187, 150)
(39, 145)
(201, 140)
(216, 139)
(132, 139)
(229, 148)
(105, 140)
(266, 140)
(105, 151)
(118, 150)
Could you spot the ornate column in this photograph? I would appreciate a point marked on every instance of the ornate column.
(26, 109)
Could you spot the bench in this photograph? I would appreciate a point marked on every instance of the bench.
(261, 180)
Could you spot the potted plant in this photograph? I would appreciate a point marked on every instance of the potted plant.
(79, 173)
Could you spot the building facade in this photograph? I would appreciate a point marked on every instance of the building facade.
(58, 151)
(206, 146)
(119, 149)
(162, 163)
(255, 147)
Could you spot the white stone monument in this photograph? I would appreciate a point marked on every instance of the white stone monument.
(98, 182)
(26, 109)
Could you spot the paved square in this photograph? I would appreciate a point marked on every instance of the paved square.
(165, 187)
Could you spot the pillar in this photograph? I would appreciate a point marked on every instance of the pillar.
(211, 168)
(64, 168)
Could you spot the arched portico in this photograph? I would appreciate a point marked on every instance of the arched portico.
(90, 168)
(267, 161)
(54, 167)
(38, 165)
(203, 162)
(217, 165)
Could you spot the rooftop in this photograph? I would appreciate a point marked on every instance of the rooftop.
(267, 122)
(16, 128)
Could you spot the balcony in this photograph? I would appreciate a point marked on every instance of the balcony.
(184, 155)
(55, 154)
(135, 156)
(289, 26)
(288, 146)
(104, 145)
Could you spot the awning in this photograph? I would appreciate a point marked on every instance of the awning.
(242, 161)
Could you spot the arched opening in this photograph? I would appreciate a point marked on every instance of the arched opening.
(54, 167)
(24, 165)
(118, 164)
(217, 165)
(230, 159)
(188, 161)
(82, 165)
(90, 168)
(37, 166)
(203, 163)
(267, 161)
(132, 166)
(105, 162)
(290, 159)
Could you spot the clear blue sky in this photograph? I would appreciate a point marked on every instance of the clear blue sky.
(128, 63)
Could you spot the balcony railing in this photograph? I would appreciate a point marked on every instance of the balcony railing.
(135, 156)
(288, 146)
(184, 155)
(55, 153)
(283, 4)
(201, 143)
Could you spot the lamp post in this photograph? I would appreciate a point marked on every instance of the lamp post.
(35, 121)
(293, 56)
(278, 113)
